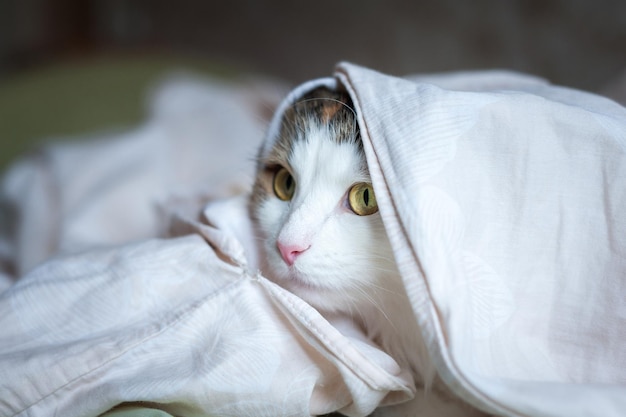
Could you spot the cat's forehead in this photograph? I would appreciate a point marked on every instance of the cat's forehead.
(324, 106)
(320, 110)
(322, 160)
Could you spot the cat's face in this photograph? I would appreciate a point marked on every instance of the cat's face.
(315, 211)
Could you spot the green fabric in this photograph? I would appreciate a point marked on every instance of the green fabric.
(78, 97)
(135, 411)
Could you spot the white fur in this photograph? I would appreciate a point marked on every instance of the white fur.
(348, 266)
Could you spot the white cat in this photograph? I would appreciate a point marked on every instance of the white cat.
(322, 238)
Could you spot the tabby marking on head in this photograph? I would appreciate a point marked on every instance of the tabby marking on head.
(320, 232)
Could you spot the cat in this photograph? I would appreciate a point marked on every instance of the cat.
(315, 213)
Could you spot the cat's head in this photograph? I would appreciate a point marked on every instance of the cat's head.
(315, 211)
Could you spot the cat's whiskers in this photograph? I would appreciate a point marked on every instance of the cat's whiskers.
(368, 296)
(348, 266)
(381, 288)
(326, 99)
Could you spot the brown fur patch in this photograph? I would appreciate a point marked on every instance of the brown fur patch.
(329, 110)
(322, 106)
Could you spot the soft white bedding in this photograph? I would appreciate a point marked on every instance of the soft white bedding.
(503, 197)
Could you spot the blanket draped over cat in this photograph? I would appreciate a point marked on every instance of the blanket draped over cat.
(503, 197)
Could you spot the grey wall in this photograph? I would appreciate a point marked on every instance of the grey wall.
(579, 43)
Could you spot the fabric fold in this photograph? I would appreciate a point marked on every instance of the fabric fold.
(501, 205)
(502, 196)
(179, 323)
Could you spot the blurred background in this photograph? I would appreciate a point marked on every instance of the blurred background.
(72, 66)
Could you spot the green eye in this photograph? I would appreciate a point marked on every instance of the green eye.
(362, 199)
(284, 184)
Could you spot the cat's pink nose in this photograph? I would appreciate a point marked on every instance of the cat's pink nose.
(290, 252)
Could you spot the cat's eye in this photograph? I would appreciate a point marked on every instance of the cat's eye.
(284, 184)
(362, 199)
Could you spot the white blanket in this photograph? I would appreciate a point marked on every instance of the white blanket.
(504, 199)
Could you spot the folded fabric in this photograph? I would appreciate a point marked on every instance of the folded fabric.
(170, 322)
(502, 197)
(505, 211)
